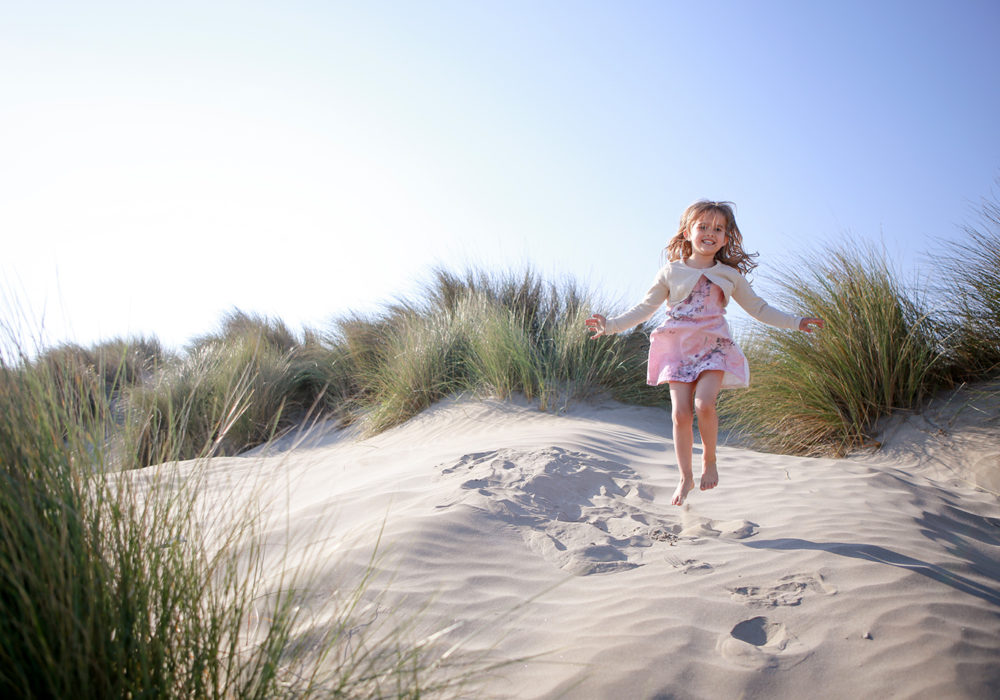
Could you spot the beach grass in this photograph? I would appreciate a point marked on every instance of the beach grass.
(127, 583)
(232, 390)
(490, 334)
(220, 398)
(479, 333)
(118, 362)
(107, 593)
(887, 346)
(823, 393)
(969, 290)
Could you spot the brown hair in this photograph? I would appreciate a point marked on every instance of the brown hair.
(731, 254)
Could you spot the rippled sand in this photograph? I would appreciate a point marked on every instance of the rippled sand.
(552, 536)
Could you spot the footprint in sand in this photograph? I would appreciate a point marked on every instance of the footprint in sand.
(761, 643)
(789, 590)
(728, 529)
(695, 530)
(662, 534)
(761, 632)
(585, 514)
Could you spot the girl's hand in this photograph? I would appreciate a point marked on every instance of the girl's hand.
(596, 324)
(807, 323)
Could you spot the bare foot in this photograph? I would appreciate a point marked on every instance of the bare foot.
(684, 486)
(709, 476)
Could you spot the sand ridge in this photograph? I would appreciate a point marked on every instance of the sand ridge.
(540, 534)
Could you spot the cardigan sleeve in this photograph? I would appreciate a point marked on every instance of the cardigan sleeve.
(644, 310)
(746, 297)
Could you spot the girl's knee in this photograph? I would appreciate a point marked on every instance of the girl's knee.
(682, 415)
(704, 408)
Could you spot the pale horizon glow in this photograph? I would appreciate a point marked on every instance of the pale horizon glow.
(160, 166)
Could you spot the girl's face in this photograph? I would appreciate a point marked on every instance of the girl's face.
(707, 234)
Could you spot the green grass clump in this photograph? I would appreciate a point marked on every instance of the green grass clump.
(488, 335)
(126, 584)
(970, 293)
(822, 393)
(85, 375)
(105, 593)
(221, 398)
(118, 362)
(479, 333)
(231, 391)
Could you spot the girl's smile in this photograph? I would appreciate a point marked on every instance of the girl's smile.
(707, 236)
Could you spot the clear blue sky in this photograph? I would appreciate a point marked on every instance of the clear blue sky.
(161, 163)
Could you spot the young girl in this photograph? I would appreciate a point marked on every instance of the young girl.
(692, 349)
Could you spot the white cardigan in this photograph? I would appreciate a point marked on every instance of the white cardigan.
(674, 282)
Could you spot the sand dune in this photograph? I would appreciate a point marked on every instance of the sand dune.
(955, 439)
(531, 534)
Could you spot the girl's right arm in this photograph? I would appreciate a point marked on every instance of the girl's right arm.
(643, 311)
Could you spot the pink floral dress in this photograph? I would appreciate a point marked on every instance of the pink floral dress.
(695, 337)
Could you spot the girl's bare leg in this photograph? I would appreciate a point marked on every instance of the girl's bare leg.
(682, 412)
(706, 392)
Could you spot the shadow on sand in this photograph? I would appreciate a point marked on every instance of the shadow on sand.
(882, 555)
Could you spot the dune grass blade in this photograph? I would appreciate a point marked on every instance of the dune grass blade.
(822, 393)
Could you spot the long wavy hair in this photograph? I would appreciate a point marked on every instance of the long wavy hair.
(732, 254)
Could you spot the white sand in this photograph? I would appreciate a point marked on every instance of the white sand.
(955, 439)
(554, 536)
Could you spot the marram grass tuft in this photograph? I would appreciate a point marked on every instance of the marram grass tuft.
(822, 393)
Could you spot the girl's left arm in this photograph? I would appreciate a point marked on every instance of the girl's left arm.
(746, 297)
